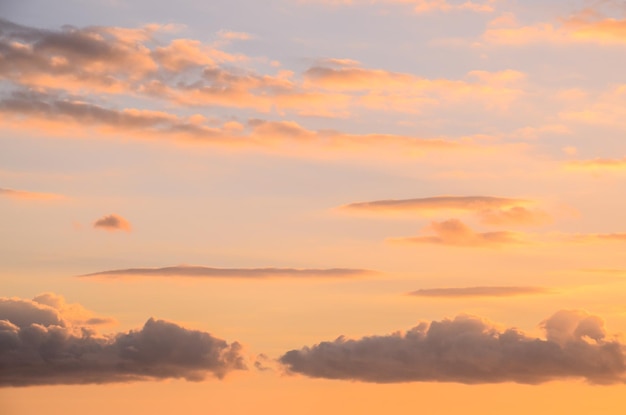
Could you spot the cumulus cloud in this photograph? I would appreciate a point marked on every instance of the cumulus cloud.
(479, 292)
(453, 232)
(253, 273)
(471, 350)
(112, 222)
(42, 342)
(26, 195)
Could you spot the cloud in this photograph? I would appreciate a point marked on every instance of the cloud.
(439, 203)
(496, 211)
(254, 273)
(453, 232)
(590, 26)
(471, 350)
(479, 292)
(56, 114)
(598, 164)
(112, 222)
(40, 346)
(25, 195)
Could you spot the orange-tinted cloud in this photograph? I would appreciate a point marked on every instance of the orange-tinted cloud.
(471, 350)
(438, 203)
(38, 346)
(26, 195)
(453, 232)
(112, 222)
(479, 292)
(192, 271)
(585, 26)
(490, 210)
(57, 115)
(598, 164)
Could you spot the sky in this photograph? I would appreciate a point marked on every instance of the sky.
(312, 206)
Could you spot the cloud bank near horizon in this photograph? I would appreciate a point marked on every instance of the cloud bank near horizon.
(42, 343)
(471, 350)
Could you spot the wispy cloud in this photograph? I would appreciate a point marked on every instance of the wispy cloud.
(39, 345)
(26, 195)
(490, 210)
(469, 349)
(112, 222)
(591, 26)
(252, 273)
(453, 232)
(479, 292)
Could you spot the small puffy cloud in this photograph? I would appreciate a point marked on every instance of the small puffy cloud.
(453, 232)
(112, 222)
(471, 350)
(479, 292)
(514, 216)
(252, 273)
(43, 344)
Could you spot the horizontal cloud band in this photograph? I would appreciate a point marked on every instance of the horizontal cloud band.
(470, 350)
(208, 272)
(39, 346)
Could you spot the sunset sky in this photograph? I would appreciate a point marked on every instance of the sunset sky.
(312, 206)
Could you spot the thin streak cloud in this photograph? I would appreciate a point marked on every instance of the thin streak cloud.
(191, 271)
(479, 292)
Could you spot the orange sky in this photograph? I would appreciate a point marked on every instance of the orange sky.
(309, 206)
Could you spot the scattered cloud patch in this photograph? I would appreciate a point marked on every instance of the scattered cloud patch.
(471, 350)
(40, 346)
(453, 232)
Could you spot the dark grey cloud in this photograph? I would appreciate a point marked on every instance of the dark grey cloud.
(36, 349)
(208, 272)
(470, 350)
(479, 292)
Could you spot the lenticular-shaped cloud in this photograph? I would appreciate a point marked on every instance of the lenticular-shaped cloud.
(39, 346)
(112, 222)
(468, 349)
(208, 272)
(478, 292)
(465, 203)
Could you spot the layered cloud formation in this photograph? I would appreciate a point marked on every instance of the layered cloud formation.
(47, 341)
(471, 350)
